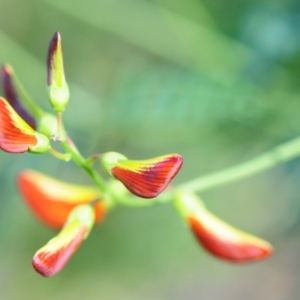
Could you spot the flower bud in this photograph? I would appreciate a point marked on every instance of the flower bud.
(51, 258)
(144, 178)
(217, 237)
(58, 88)
(16, 136)
(47, 125)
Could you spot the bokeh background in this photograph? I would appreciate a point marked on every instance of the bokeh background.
(216, 81)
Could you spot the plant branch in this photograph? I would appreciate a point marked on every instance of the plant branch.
(263, 162)
(59, 155)
(69, 147)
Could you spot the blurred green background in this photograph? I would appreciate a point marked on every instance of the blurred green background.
(216, 81)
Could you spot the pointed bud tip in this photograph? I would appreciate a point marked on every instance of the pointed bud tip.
(55, 38)
(6, 70)
(56, 35)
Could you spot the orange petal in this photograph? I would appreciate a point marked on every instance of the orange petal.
(147, 178)
(16, 136)
(51, 258)
(219, 238)
(51, 200)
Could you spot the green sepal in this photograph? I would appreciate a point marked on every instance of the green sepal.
(110, 159)
(85, 214)
(42, 146)
(59, 96)
(186, 203)
(47, 125)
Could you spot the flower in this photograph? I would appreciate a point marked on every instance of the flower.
(52, 257)
(217, 237)
(144, 178)
(16, 136)
(58, 88)
(42, 121)
(11, 95)
(51, 201)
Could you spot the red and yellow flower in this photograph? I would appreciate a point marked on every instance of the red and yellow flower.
(52, 257)
(144, 178)
(16, 136)
(217, 237)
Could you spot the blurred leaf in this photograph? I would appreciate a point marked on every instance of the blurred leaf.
(166, 34)
(191, 9)
(160, 98)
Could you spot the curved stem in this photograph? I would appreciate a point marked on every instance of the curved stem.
(59, 155)
(79, 159)
(135, 201)
(123, 197)
(263, 162)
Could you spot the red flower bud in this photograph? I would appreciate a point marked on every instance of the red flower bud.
(51, 258)
(217, 237)
(144, 178)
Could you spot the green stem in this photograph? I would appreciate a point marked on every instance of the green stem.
(80, 160)
(263, 162)
(59, 127)
(26, 99)
(135, 201)
(59, 155)
(89, 161)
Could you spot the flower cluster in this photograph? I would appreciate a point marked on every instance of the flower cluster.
(74, 210)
